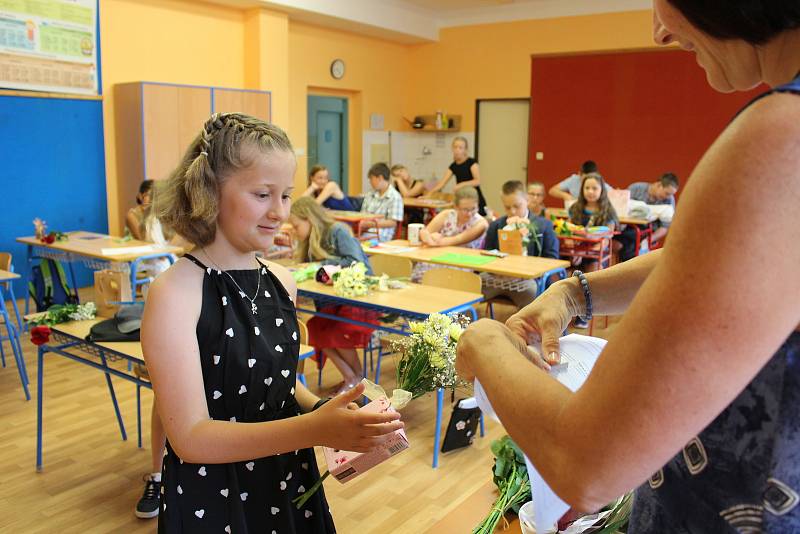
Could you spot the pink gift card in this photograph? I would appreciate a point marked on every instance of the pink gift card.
(346, 465)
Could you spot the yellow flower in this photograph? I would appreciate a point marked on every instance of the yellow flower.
(455, 332)
(416, 328)
(437, 360)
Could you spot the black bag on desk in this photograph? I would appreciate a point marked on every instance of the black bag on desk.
(124, 326)
(463, 424)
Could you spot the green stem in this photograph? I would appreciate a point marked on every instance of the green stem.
(302, 499)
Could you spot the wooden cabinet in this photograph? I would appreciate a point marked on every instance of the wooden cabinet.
(155, 123)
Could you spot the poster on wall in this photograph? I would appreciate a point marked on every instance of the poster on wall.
(49, 45)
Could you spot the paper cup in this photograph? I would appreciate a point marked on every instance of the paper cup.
(413, 233)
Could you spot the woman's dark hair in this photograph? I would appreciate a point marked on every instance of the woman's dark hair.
(145, 187)
(755, 21)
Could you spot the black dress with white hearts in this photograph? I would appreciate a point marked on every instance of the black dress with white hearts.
(249, 364)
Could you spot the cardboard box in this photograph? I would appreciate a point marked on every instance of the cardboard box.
(346, 465)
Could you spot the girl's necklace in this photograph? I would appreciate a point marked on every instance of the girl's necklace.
(253, 306)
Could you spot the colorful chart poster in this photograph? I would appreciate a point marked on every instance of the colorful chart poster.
(49, 45)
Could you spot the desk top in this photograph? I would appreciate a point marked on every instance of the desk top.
(561, 213)
(419, 202)
(353, 216)
(80, 329)
(101, 246)
(514, 266)
(415, 298)
(7, 275)
(471, 511)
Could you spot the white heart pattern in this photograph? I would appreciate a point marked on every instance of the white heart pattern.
(198, 513)
(224, 300)
(266, 294)
(268, 381)
(289, 476)
(202, 471)
(250, 465)
(228, 529)
(263, 270)
(304, 466)
(243, 496)
(285, 373)
(301, 489)
(251, 362)
(216, 359)
(233, 419)
(242, 294)
(208, 270)
(229, 332)
(294, 336)
(261, 408)
(308, 514)
(224, 492)
(278, 321)
(283, 485)
(274, 510)
(180, 489)
(257, 330)
(217, 395)
(278, 348)
(291, 392)
(242, 390)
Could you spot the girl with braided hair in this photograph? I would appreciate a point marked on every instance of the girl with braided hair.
(220, 339)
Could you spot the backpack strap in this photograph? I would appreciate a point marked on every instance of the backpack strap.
(62, 279)
(47, 278)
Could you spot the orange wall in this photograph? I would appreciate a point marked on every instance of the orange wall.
(377, 79)
(494, 60)
(164, 41)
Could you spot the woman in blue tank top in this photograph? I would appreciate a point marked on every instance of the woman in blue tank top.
(326, 192)
(696, 397)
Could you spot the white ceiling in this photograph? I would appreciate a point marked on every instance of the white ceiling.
(419, 21)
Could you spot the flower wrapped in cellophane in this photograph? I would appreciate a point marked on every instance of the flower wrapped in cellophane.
(428, 356)
(354, 281)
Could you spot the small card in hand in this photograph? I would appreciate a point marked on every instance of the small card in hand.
(463, 425)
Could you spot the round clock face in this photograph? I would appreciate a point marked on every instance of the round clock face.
(337, 69)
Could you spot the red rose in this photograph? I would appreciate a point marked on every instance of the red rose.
(49, 238)
(40, 335)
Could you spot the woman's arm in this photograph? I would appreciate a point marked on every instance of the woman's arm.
(682, 353)
(311, 191)
(132, 223)
(476, 178)
(401, 186)
(416, 190)
(170, 349)
(470, 234)
(441, 183)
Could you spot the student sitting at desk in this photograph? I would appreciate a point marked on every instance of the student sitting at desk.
(515, 202)
(570, 187)
(408, 187)
(536, 195)
(592, 209)
(325, 191)
(660, 192)
(462, 227)
(135, 219)
(383, 200)
(321, 239)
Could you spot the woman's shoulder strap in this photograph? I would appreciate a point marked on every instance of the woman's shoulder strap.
(195, 261)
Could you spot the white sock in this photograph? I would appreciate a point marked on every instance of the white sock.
(155, 477)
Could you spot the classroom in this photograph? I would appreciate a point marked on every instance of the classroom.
(483, 261)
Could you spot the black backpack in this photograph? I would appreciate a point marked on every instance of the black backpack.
(48, 285)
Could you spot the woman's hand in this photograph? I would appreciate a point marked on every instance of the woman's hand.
(543, 320)
(486, 333)
(339, 426)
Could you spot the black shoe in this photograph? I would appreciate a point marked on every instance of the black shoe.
(580, 323)
(147, 506)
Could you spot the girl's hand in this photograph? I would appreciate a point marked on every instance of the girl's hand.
(485, 333)
(436, 238)
(543, 320)
(339, 426)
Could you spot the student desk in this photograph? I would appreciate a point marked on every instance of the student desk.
(412, 303)
(355, 219)
(12, 332)
(512, 272)
(69, 340)
(471, 511)
(96, 251)
(642, 227)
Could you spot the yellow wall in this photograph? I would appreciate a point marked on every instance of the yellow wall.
(494, 60)
(376, 80)
(189, 42)
(164, 41)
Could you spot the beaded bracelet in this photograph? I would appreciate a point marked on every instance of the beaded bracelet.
(587, 293)
(320, 403)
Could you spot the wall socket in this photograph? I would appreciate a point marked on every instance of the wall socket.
(539, 156)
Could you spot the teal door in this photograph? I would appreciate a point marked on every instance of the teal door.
(327, 136)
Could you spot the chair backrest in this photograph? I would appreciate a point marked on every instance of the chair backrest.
(303, 331)
(390, 265)
(452, 279)
(5, 261)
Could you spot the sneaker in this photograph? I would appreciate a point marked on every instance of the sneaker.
(580, 323)
(147, 506)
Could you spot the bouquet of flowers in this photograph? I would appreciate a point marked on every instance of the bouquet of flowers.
(510, 475)
(40, 229)
(527, 230)
(59, 313)
(354, 281)
(428, 356)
